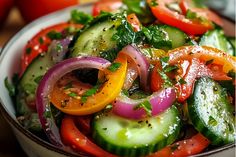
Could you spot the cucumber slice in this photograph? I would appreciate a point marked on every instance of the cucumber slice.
(177, 37)
(27, 88)
(97, 38)
(211, 113)
(135, 138)
(216, 38)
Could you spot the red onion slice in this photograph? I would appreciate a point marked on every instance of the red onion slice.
(142, 64)
(160, 101)
(47, 83)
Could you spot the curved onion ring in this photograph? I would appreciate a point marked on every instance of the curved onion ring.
(141, 62)
(160, 101)
(48, 82)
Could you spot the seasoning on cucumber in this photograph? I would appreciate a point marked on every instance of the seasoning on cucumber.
(216, 38)
(133, 138)
(211, 112)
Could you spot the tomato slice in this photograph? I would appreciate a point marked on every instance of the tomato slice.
(164, 14)
(156, 80)
(186, 5)
(40, 42)
(134, 21)
(188, 147)
(106, 5)
(73, 137)
(105, 95)
(194, 62)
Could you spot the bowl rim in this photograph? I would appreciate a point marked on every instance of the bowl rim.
(35, 138)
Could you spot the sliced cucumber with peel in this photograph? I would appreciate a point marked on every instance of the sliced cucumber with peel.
(133, 138)
(211, 112)
(216, 38)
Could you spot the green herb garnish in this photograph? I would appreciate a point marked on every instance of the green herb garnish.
(114, 66)
(41, 40)
(146, 105)
(38, 79)
(28, 50)
(89, 92)
(54, 35)
(73, 95)
(80, 17)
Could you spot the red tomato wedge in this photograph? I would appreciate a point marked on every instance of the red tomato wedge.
(186, 5)
(73, 137)
(106, 5)
(40, 42)
(184, 148)
(164, 14)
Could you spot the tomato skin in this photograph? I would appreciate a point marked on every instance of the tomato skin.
(134, 21)
(5, 6)
(156, 80)
(183, 148)
(165, 15)
(106, 5)
(33, 9)
(34, 47)
(185, 5)
(191, 61)
(73, 137)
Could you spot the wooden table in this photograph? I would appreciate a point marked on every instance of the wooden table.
(9, 147)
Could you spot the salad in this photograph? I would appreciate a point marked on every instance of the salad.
(152, 78)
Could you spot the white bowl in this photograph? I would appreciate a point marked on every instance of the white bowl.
(9, 64)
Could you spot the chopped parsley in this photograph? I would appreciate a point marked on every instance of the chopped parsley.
(154, 3)
(38, 79)
(80, 17)
(231, 73)
(41, 40)
(165, 65)
(68, 86)
(73, 95)
(191, 15)
(146, 105)
(125, 35)
(89, 92)
(167, 81)
(174, 147)
(54, 35)
(47, 114)
(59, 47)
(114, 66)
(28, 50)
(182, 81)
(157, 37)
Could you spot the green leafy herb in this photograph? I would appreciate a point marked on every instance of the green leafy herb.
(114, 66)
(182, 81)
(174, 147)
(212, 121)
(28, 50)
(232, 74)
(73, 95)
(54, 35)
(157, 37)
(38, 79)
(41, 40)
(199, 3)
(146, 105)
(209, 61)
(191, 15)
(125, 35)
(68, 86)
(59, 47)
(80, 17)
(167, 81)
(47, 114)
(170, 68)
(141, 10)
(89, 92)
(10, 87)
(154, 3)
(125, 92)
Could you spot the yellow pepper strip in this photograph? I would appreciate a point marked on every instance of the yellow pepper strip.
(105, 95)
